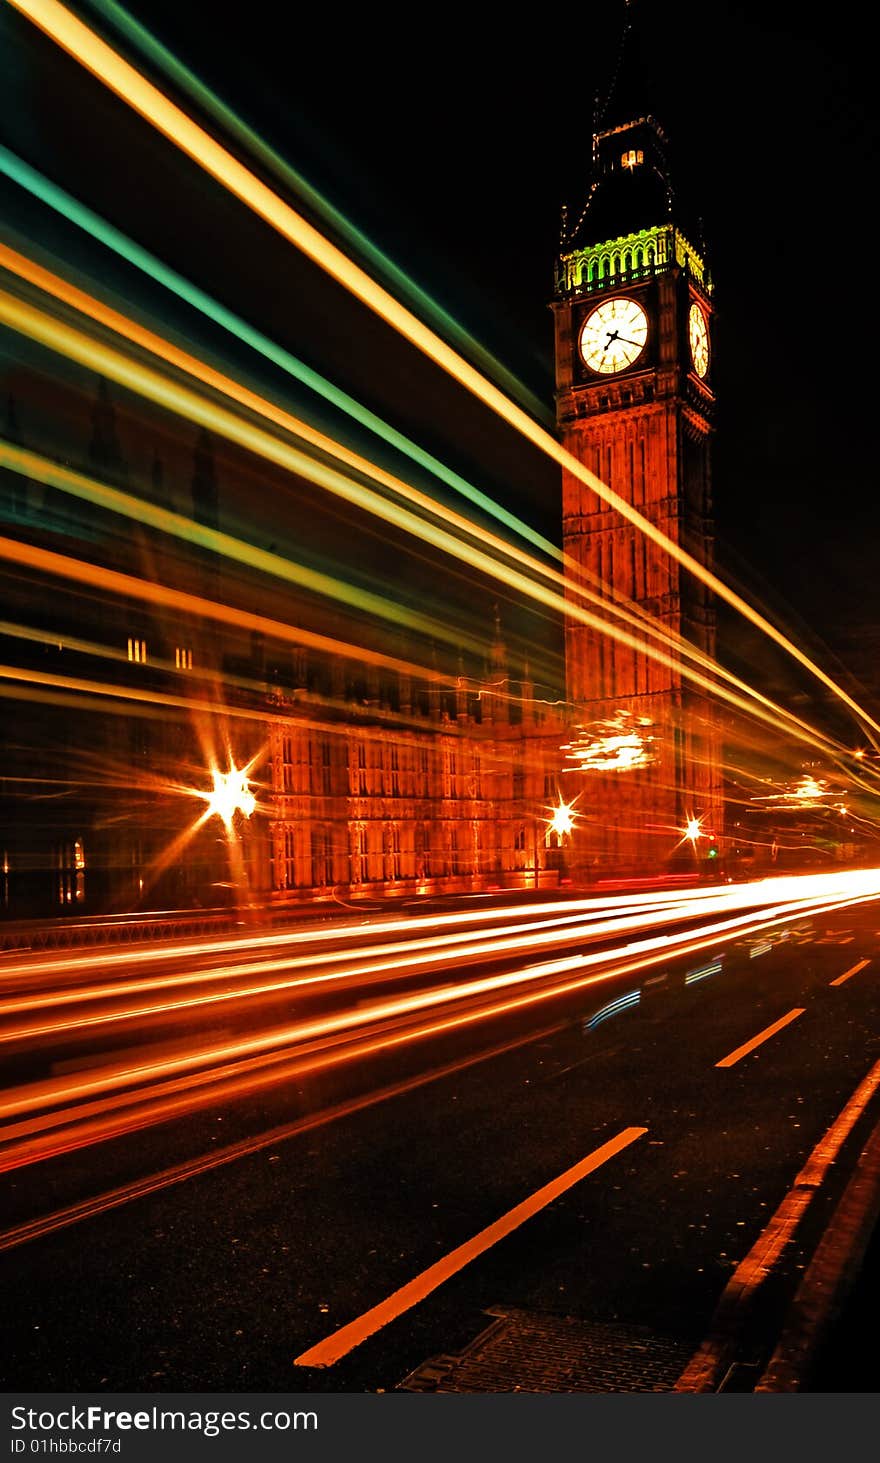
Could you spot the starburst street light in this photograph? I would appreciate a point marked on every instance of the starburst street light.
(563, 818)
(231, 794)
(694, 830)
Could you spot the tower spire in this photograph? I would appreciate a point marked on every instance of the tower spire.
(622, 60)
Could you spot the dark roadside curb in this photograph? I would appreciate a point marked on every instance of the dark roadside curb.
(822, 1345)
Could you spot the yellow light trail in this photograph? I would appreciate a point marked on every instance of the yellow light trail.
(103, 62)
(24, 684)
(111, 238)
(47, 561)
(176, 398)
(33, 465)
(254, 145)
(131, 374)
(137, 334)
(208, 375)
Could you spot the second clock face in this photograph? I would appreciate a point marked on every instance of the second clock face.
(698, 335)
(613, 335)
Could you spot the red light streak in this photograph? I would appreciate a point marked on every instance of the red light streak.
(185, 1076)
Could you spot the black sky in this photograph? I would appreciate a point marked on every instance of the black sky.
(453, 135)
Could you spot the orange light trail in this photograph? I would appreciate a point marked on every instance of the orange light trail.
(168, 393)
(489, 996)
(135, 91)
(46, 561)
(412, 957)
(219, 1158)
(41, 469)
(207, 375)
(778, 889)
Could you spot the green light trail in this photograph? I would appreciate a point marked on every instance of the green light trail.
(66, 480)
(112, 238)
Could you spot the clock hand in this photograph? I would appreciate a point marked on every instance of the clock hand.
(624, 339)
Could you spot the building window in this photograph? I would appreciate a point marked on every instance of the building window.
(450, 775)
(287, 774)
(183, 658)
(632, 158)
(71, 866)
(392, 851)
(362, 779)
(322, 858)
(359, 871)
(326, 769)
(288, 869)
(137, 650)
(423, 851)
(395, 772)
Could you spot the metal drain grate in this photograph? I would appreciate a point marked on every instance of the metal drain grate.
(526, 1351)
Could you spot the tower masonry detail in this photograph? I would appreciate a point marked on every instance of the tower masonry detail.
(635, 405)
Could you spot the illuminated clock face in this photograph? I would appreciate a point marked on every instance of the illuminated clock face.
(698, 335)
(613, 336)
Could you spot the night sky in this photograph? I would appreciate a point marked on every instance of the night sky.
(452, 138)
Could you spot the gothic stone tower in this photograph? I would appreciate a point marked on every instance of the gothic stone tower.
(634, 315)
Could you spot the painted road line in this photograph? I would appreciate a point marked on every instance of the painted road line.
(708, 1365)
(854, 970)
(749, 1046)
(341, 1342)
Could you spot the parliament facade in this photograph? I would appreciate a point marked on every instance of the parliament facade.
(376, 775)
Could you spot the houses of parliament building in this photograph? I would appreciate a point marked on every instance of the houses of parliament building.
(371, 776)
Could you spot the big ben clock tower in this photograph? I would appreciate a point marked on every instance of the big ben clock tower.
(634, 346)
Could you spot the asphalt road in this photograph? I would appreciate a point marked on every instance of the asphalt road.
(228, 1279)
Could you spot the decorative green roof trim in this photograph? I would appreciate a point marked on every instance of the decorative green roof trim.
(629, 257)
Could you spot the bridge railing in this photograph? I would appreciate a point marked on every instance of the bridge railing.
(114, 929)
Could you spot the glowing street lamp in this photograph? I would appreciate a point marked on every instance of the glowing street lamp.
(694, 830)
(231, 795)
(562, 821)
